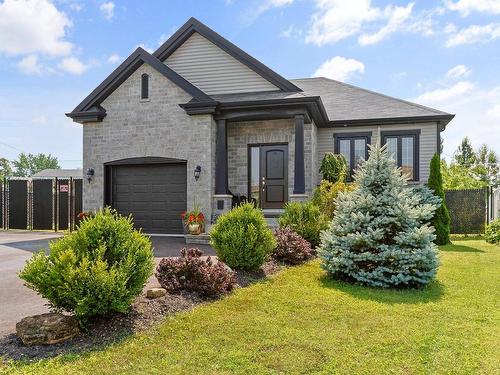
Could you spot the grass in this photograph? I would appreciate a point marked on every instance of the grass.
(301, 322)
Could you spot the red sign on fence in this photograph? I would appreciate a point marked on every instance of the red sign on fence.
(63, 188)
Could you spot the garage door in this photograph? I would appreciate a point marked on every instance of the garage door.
(155, 195)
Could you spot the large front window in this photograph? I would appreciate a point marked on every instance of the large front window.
(354, 148)
(403, 148)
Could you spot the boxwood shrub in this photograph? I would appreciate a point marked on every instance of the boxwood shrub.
(492, 232)
(241, 237)
(97, 270)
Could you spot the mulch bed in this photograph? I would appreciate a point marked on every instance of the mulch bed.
(102, 332)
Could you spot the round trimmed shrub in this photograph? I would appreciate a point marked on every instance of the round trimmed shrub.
(492, 232)
(290, 247)
(241, 237)
(97, 270)
(191, 273)
(306, 219)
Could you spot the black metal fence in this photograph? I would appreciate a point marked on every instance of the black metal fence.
(40, 204)
(468, 210)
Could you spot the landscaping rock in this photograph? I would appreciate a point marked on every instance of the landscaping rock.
(47, 329)
(155, 293)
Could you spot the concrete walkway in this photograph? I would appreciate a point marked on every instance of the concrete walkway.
(17, 301)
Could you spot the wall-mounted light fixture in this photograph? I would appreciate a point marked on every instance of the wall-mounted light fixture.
(197, 172)
(90, 174)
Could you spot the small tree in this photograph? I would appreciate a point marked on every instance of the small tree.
(379, 236)
(333, 167)
(441, 220)
(29, 164)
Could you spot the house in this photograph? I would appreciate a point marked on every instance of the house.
(59, 173)
(200, 121)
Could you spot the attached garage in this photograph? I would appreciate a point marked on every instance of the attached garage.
(152, 190)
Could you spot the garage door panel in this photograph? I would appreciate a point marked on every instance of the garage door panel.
(155, 195)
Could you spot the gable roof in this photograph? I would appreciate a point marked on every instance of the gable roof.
(59, 173)
(90, 108)
(346, 103)
(193, 25)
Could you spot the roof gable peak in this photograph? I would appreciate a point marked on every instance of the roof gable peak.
(193, 25)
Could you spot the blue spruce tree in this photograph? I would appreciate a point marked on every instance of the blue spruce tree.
(380, 235)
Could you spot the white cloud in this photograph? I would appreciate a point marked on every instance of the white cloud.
(108, 10)
(446, 94)
(340, 68)
(465, 7)
(458, 71)
(335, 20)
(39, 120)
(33, 26)
(30, 65)
(339, 19)
(477, 114)
(114, 58)
(72, 65)
(474, 34)
(396, 17)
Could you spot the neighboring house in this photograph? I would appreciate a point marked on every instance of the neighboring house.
(59, 173)
(199, 120)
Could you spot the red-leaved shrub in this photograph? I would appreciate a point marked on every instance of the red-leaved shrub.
(290, 247)
(191, 273)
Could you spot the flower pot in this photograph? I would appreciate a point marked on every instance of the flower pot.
(194, 228)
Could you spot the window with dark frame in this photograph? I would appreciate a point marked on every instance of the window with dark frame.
(404, 147)
(354, 148)
(145, 86)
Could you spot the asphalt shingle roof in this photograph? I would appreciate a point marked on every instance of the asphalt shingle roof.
(346, 102)
(59, 173)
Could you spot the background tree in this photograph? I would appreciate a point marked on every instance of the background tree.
(486, 166)
(465, 154)
(5, 168)
(458, 177)
(379, 235)
(28, 164)
(441, 220)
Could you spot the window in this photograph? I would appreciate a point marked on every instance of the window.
(354, 147)
(144, 86)
(403, 146)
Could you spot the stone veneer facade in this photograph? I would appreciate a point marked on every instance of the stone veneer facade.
(158, 127)
(242, 134)
(154, 127)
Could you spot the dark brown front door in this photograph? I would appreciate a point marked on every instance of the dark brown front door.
(269, 171)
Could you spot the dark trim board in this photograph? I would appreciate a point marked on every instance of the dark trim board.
(193, 25)
(444, 119)
(416, 147)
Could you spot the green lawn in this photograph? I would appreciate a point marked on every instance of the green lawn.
(301, 322)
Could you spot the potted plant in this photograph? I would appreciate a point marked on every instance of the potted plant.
(194, 220)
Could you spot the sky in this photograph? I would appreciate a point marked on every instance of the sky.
(444, 54)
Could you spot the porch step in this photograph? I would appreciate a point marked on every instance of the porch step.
(273, 212)
(199, 239)
(272, 222)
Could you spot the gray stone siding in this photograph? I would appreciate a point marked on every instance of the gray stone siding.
(242, 134)
(153, 127)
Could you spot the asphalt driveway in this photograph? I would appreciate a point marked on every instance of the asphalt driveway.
(17, 301)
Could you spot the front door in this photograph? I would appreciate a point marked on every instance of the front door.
(269, 175)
